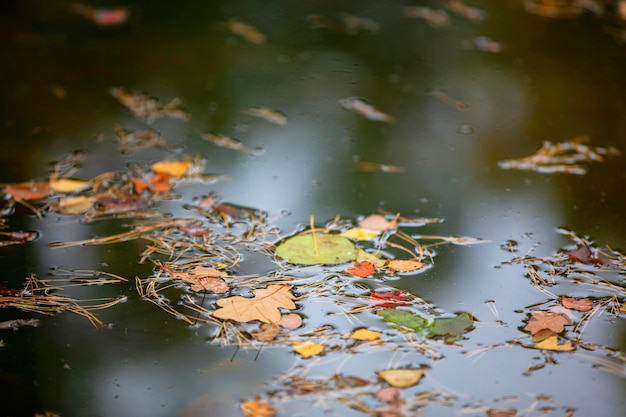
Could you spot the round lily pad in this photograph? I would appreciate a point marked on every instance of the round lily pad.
(317, 249)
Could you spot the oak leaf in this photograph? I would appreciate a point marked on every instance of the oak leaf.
(540, 320)
(263, 307)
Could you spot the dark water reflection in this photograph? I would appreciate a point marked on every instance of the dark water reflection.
(556, 79)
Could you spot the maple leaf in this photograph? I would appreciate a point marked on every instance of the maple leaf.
(580, 304)
(263, 307)
(362, 269)
(540, 320)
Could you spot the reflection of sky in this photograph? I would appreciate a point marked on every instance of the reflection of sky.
(306, 170)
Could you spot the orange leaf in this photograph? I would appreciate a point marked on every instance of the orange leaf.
(263, 307)
(362, 269)
(409, 265)
(139, 185)
(378, 222)
(580, 304)
(266, 332)
(257, 408)
(540, 320)
(28, 190)
(308, 349)
(175, 169)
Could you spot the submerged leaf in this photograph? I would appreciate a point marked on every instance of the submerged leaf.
(452, 328)
(313, 249)
(403, 318)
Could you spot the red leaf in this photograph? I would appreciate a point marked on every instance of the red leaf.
(580, 304)
(28, 191)
(585, 255)
(362, 269)
(392, 299)
(122, 203)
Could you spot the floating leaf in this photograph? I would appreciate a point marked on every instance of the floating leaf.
(401, 378)
(580, 304)
(74, 205)
(266, 332)
(272, 116)
(407, 265)
(362, 256)
(388, 394)
(176, 169)
(308, 349)
(547, 320)
(378, 222)
(552, 343)
(28, 190)
(358, 233)
(585, 255)
(365, 334)
(362, 269)
(290, 321)
(403, 318)
(67, 185)
(318, 248)
(257, 408)
(120, 204)
(452, 328)
(263, 307)
(390, 299)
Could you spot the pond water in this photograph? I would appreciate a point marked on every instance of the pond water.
(464, 96)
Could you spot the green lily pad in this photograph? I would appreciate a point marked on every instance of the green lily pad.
(451, 328)
(324, 249)
(403, 318)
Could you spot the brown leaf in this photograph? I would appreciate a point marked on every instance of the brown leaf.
(120, 204)
(290, 321)
(494, 412)
(266, 332)
(580, 304)
(540, 320)
(585, 255)
(201, 278)
(408, 265)
(263, 307)
(388, 394)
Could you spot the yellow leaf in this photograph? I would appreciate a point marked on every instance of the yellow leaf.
(622, 308)
(67, 185)
(175, 169)
(552, 343)
(401, 378)
(405, 265)
(74, 205)
(365, 334)
(359, 233)
(308, 349)
(362, 256)
(257, 408)
(263, 307)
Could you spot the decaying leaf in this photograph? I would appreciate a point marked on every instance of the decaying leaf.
(308, 349)
(580, 304)
(257, 408)
(401, 378)
(408, 265)
(120, 204)
(390, 299)
(272, 116)
(148, 108)
(547, 320)
(360, 106)
(365, 334)
(585, 255)
(388, 394)
(263, 307)
(317, 248)
(266, 332)
(495, 412)
(202, 278)
(230, 143)
(156, 183)
(362, 269)
(552, 343)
